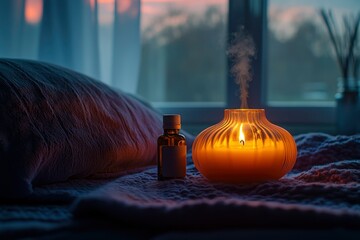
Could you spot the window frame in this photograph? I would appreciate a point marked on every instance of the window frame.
(252, 15)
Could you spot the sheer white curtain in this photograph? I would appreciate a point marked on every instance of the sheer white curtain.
(126, 51)
(72, 33)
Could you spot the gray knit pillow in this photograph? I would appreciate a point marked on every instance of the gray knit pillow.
(56, 124)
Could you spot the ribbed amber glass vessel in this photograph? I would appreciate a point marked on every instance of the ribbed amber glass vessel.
(244, 148)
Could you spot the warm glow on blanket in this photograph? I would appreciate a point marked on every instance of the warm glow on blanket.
(243, 148)
(33, 11)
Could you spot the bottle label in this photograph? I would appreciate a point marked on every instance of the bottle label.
(174, 161)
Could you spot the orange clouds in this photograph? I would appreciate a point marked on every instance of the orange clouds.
(284, 21)
(33, 11)
(129, 7)
(123, 5)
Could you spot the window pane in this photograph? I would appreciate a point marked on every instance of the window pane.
(302, 67)
(183, 51)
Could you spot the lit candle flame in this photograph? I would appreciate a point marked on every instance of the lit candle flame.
(241, 135)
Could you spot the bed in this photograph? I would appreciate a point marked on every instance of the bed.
(114, 193)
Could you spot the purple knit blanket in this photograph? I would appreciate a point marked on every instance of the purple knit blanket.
(323, 190)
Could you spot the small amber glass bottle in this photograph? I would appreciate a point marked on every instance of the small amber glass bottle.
(171, 149)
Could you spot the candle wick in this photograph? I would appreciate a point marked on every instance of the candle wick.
(243, 142)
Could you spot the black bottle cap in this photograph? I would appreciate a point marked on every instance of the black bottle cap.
(171, 121)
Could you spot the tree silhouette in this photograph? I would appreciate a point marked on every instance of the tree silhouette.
(193, 58)
(301, 64)
(187, 62)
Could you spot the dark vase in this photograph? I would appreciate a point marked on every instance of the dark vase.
(347, 110)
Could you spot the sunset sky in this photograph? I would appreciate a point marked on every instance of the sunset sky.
(33, 11)
(284, 14)
(149, 8)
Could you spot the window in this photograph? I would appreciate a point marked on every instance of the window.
(183, 67)
(302, 68)
(301, 71)
(183, 61)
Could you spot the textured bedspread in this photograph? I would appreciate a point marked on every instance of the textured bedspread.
(322, 190)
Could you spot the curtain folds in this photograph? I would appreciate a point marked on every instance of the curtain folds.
(11, 27)
(69, 33)
(126, 50)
